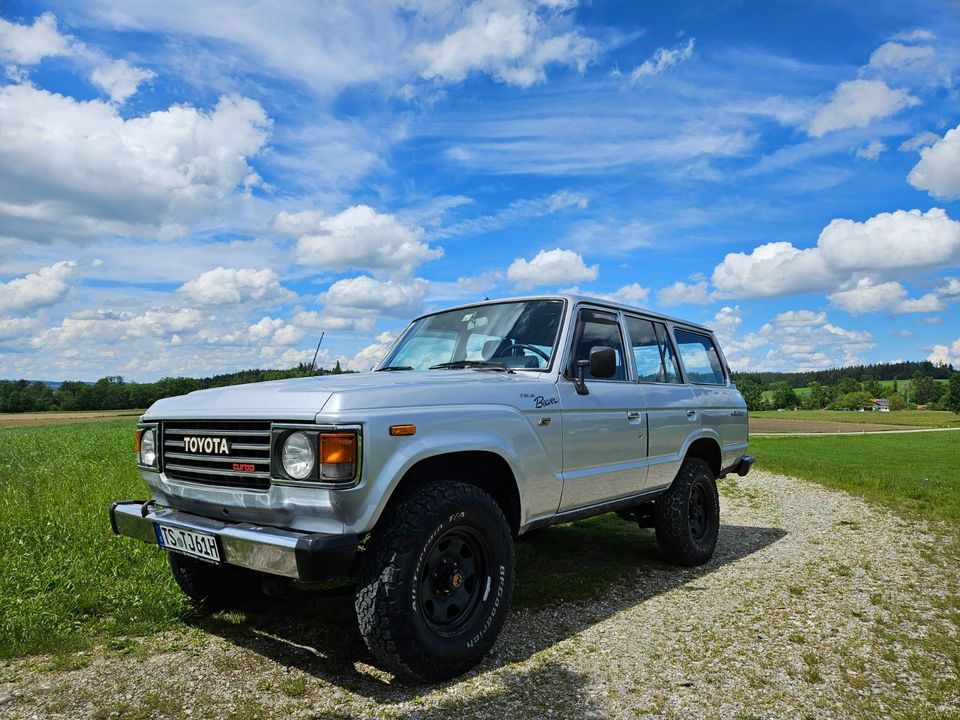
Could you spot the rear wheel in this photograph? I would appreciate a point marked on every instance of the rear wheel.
(435, 581)
(216, 587)
(687, 515)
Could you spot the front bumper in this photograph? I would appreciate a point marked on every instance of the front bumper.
(305, 556)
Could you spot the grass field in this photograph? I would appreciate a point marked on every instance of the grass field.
(915, 418)
(916, 473)
(65, 576)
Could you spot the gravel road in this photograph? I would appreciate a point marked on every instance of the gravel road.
(816, 605)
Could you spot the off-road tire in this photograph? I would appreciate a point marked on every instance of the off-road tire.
(214, 587)
(398, 577)
(687, 515)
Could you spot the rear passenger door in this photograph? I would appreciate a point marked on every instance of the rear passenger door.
(721, 406)
(669, 404)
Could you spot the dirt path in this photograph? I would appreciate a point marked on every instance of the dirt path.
(759, 426)
(815, 605)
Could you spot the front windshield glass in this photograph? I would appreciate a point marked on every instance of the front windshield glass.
(517, 335)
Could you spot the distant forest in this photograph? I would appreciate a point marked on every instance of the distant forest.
(860, 373)
(114, 393)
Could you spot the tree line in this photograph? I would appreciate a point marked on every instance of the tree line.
(847, 393)
(879, 371)
(114, 393)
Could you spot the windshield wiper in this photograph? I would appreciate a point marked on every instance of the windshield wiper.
(475, 364)
(388, 368)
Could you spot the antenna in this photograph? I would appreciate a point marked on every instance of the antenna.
(314, 363)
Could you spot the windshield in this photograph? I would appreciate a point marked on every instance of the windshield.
(516, 335)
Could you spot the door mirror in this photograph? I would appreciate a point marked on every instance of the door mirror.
(603, 362)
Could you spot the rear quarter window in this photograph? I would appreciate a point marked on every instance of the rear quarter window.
(700, 358)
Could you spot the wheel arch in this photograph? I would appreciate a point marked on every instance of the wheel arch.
(708, 450)
(484, 469)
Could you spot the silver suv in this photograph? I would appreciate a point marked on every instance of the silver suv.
(480, 424)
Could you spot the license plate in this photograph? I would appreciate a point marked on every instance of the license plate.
(188, 542)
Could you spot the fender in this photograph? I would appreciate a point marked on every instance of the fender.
(514, 440)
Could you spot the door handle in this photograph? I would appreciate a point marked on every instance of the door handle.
(634, 414)
(691, 413)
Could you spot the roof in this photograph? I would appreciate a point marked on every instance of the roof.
(573, 299)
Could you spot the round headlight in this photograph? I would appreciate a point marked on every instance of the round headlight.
(148, 448)
(298, 456)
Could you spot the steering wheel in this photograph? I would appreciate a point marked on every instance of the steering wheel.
(531, 348)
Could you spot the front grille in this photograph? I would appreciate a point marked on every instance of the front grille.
(193, 451)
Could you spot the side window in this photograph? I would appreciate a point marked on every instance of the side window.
(700, 358)
(594, 329)
(652, 355)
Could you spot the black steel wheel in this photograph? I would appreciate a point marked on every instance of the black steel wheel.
(687, 515)
(435, 581)
(453, 579)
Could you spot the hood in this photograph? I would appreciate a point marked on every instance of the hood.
(304, 398)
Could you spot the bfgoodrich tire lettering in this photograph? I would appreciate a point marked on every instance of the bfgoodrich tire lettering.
(687, 515)
(435, 581)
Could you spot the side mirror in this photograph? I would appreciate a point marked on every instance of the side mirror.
(603, 362)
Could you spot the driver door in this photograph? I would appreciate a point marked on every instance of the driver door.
(604, 432)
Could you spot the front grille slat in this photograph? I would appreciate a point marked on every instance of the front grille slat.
(215, 471)
(221, 459)
(245, 439)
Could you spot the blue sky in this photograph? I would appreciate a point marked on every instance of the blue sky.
(192, 188)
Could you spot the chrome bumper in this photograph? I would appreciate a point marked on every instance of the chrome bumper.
(306, 556)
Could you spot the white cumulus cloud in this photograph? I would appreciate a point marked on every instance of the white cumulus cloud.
(872, 150)
(358, 238)
(551, 267)
(364, 294)
(681, 293)
(48, 286)
(857, 103)
(29, 44)
(512, 40)
(866, 296)
(948, 354)
(886, 244)
(938, 171)
(77, 168)
(897, 55)
(232, 286)
(119, 79)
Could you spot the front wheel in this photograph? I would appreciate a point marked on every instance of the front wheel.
(435, 581)
(687, 515)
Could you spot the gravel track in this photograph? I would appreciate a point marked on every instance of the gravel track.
(815, 605)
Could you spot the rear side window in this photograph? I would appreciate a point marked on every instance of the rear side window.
(652, 355)
(700, 358)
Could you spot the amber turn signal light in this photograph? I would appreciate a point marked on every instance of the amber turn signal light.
(336, 448)
(398, 430)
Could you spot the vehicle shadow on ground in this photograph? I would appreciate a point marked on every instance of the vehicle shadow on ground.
(568, 578)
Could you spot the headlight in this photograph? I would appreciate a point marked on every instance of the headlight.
(298, 456)
(147, 447)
